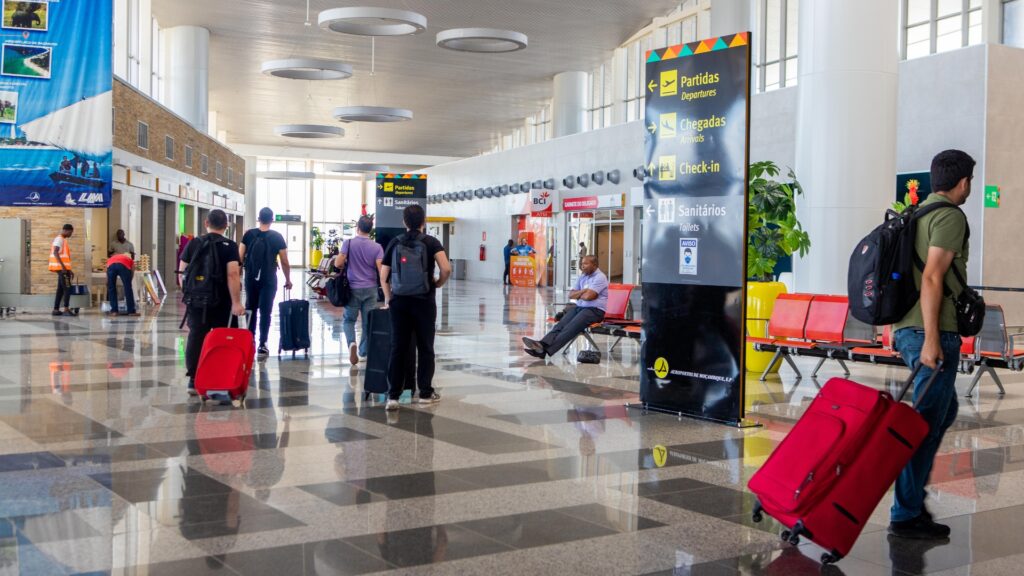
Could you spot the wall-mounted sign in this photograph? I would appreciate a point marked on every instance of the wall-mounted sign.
(993, 196)
(287, 217)
(695, 235)
(56, 106)
(541, 203)
(584, 203)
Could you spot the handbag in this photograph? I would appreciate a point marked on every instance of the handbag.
(339, 291)
(970, 309)
(588, 357)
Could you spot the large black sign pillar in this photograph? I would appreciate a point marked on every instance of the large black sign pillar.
(394, 193)
(695, 228)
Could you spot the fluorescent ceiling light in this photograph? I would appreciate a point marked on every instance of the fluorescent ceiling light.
(487, 40)
(286, 175)
(308, 131)
(372, 21)
(307, 69)
(343, 167)
(371, 114)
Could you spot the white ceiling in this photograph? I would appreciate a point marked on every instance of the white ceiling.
(461, 101)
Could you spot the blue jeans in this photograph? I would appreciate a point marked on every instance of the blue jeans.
(363, 301)
(938, 407)
(259, 301)
(115, 271)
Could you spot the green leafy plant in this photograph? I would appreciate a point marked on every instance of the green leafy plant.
(316, 238)
(774, 231)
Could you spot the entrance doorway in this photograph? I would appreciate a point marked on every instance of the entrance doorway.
(295, 235)
(167, 242)
(600, 233)
(146, 230)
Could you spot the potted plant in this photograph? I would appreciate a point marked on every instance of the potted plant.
(773, 232)
(316, 243)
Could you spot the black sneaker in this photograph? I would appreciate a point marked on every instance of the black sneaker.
(263, 351)
(56, 313)
(920, 528)
(192, 388)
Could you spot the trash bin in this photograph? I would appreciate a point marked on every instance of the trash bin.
(459, 269)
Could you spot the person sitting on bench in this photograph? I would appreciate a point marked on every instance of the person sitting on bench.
(591, 294)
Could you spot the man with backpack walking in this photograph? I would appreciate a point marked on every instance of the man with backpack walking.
(212, 287)
(407, 278)
(929, 333)
(364, 258)
(260, 249)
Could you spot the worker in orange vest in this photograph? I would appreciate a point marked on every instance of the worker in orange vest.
(60, 262)
(121, 266)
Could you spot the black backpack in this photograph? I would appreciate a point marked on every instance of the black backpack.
(880, 281)
(257, 258)
(410, 267)
(203, 275)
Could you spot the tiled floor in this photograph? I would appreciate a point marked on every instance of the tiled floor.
(106, 467)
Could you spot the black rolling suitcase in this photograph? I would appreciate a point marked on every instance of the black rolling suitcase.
(378, 354)
(294, 325)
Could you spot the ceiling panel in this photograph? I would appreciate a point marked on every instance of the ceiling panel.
(461, 101)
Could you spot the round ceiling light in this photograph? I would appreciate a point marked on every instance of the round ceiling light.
(307, 69)
(286, 175)
(308, 131)
(371, 114)
(344, 167)
(373, 21)
(487, 40)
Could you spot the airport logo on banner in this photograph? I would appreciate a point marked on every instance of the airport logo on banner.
(541, 203)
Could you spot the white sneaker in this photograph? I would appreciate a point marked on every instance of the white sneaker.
(433, 399)
(391, 406)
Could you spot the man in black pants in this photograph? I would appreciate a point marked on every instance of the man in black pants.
(260, 249)
(210, 302)
(409, 287)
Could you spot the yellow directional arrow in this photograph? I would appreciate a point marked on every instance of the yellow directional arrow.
(652, 85)
(653, 128)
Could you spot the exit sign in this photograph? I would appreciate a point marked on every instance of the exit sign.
(287, 218)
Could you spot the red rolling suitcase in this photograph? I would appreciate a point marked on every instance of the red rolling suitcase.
(225, 364)
(828, 475)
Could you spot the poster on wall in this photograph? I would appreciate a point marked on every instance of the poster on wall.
(56, 136)
(694, 251)
(394, 193)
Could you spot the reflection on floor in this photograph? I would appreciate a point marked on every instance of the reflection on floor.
(523, 468)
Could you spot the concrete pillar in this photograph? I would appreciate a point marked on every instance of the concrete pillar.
(992, 21)
(846, 132)
(250, 193)
(731, 16)
(569, 105)
(186, 73)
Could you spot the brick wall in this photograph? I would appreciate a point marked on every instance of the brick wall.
(132, 107)
(45, 224)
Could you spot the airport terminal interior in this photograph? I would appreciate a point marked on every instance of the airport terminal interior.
(699, 170)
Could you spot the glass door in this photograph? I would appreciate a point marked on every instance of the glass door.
(295, 235)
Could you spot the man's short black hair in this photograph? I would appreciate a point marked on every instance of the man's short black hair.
(365, 224)
(414, 216)
(69, 228)
(217, 219)
(266, 216)
(949, 167)
(510, 242)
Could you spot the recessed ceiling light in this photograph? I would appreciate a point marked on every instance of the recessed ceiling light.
(343, 167)
(307, 69)
(285, 175)
(482, 40)
(371, 114)
(373, 21)
(308, 131)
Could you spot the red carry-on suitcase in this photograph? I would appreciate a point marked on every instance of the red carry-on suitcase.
(225, 364)
(829, 474)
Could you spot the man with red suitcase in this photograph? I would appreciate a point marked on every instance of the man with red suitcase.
(929, 334)
(212, 287)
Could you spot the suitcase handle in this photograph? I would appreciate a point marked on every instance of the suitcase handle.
(910, 382)
(238, 320)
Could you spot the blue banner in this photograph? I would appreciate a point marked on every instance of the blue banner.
(56, 105)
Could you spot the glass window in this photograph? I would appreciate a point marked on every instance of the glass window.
(919, 11)
(188, 156)
(949, 7)
(949, 34)
(219, 171)
(143, 136)
(771, 73)
(1013, 23)
(918, 41)
(773, 30)
(204, 164)
(777, 40)
(934, 26)
(792, 27)
(974, 28)
(169, 147)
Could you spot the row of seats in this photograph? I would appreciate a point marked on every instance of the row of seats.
(821, 326)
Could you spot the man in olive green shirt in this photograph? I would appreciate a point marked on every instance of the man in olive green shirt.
(928, 334)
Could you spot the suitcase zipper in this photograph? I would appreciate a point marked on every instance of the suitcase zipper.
(803, 484)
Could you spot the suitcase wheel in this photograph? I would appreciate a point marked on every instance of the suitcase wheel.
(790, 537)
(758, 515)
(830, 558)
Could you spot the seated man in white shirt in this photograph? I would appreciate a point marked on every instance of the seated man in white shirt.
(591, 295)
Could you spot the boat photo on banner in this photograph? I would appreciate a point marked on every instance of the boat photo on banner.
(56, 106)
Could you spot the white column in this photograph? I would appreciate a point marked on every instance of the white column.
(846, 131)
(569, 105)
(992, 21)
(730, 16)
(187, 71)
(250, 192)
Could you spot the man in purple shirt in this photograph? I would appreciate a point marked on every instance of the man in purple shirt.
(591, 295)
(364, 257)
